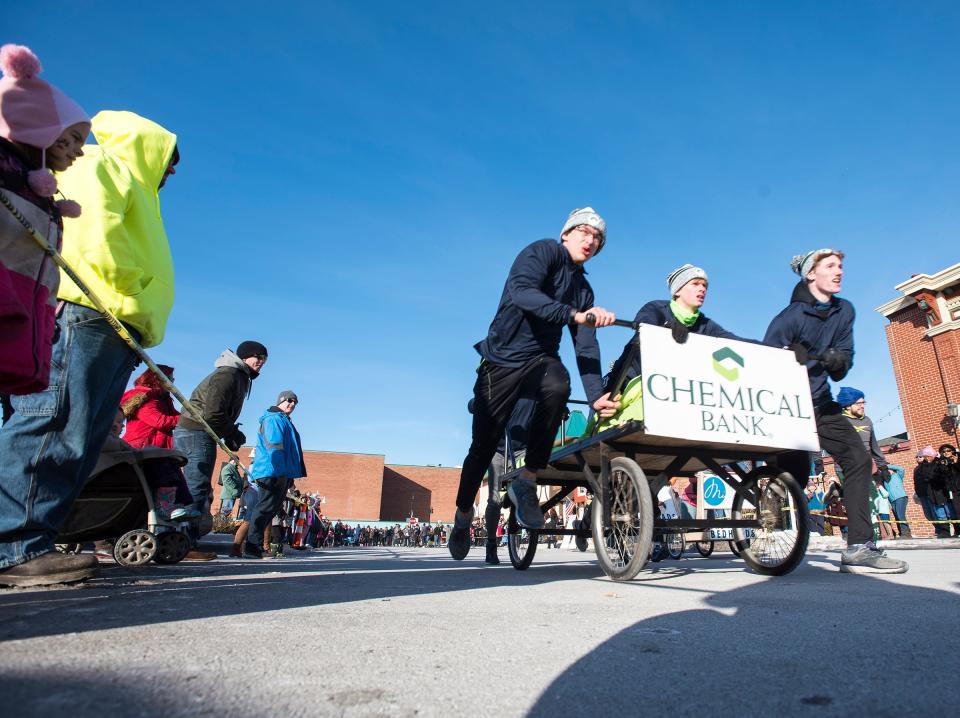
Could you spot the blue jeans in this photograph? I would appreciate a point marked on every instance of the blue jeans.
(270, 498)
(51, 443)
(201, 453)
(900, 512)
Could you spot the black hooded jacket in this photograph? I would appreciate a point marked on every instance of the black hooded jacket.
(801, 322)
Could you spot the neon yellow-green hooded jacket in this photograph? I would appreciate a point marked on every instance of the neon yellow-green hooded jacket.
(118, 245)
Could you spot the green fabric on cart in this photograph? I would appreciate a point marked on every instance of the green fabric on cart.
(631, 407)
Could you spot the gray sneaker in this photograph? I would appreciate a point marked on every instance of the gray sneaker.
(867, 558)
(523, 494)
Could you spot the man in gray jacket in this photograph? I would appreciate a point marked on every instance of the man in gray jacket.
(219, 398)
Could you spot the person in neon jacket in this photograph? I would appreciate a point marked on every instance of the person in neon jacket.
(118, 246)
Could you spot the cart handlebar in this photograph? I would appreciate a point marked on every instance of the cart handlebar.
(591, 319)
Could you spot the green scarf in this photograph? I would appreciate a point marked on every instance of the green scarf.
(686, 318)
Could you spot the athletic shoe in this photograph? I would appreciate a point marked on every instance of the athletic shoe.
(523, 494)
(184, 513)
(867, 558)
(50, 568)
(458, 543)
(492, 557)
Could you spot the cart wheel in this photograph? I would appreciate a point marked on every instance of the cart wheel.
(521, 544)
(581, 541)
(779, 542)
(705, 548)
(68, 547)
(622, 521)
(135, 548)
(676, 544)
(733, 547)
(172, 546)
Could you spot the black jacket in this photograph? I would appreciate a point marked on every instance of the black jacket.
(817, 330)
(930, 480)
(220, 395)
(658, 314)
(543, 291)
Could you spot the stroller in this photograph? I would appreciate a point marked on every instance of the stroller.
(117, 503)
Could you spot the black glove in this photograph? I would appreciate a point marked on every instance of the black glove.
(834, 360)
(800, 352)
(235, 439)
(680, 333)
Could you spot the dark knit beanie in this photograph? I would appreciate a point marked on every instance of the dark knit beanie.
(249, 349)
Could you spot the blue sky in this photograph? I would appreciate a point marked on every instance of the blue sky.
(356, 178)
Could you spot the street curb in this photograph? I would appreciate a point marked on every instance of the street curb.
(830, 543)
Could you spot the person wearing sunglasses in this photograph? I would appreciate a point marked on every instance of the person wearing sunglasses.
(951, 476)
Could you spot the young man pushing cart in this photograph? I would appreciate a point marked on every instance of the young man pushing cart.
(545, 291)
(818, 326)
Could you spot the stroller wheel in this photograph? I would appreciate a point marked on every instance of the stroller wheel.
(172, 546)
(135, 548)
(68, 547)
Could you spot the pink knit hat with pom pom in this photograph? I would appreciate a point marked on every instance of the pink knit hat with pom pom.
(32, 111)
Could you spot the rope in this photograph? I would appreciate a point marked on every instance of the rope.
(117, 326)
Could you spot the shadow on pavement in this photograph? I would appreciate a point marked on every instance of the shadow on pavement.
(814, 642)
(158, 594)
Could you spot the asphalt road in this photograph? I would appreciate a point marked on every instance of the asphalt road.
(404, 632)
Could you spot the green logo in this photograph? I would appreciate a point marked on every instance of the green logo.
(721, 355)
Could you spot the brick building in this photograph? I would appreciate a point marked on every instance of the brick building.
(924, 340)
(361, 487)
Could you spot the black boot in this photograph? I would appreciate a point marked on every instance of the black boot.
(492, 558)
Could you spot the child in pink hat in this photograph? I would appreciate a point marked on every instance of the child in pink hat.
(41, 129)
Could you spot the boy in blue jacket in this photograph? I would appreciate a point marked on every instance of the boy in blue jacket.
(545, 291)
(818, 326)
(279, 460)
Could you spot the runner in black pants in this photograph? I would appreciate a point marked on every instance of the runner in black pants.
(545, 291)
(818, 326)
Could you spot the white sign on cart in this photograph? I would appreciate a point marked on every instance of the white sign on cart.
(720, 391)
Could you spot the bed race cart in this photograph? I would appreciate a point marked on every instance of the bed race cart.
(722, 406)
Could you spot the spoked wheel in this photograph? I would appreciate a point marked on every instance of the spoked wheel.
(521, 544)
(778, 544)
(135, 548)
(705, 548)
(622, 521)
(676, 544)
(172, 547)
(733, 548)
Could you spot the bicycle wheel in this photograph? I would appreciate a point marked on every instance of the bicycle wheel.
(705, 548)
(622, 521)
(733, 548)
(778, 545)
(521, 544)
(676, 544)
